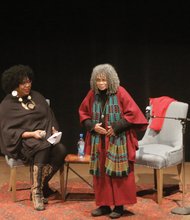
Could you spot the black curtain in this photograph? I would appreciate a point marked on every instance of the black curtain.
(148, 43)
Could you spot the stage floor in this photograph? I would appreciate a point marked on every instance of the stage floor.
(79, 209)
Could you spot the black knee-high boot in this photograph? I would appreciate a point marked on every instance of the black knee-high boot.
(58, 154)
(47, 191)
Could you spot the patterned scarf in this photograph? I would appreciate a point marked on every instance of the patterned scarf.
(116, 156)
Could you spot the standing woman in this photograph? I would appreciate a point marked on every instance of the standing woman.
(26, 121)
(111, 117)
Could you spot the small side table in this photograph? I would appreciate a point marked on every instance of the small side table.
(73, 159)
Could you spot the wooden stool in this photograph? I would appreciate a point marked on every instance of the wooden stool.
(73, 159)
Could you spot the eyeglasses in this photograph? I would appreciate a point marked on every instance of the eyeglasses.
(26, 82)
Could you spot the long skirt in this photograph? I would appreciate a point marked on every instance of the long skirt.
(114, 190)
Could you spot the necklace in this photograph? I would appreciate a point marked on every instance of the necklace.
(102, 110)
(29, 105)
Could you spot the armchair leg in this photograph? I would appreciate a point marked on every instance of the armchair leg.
(159, 174)
(12, 183)
(155, 180)
(180, 173)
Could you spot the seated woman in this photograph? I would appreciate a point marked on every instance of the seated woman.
(26, 121)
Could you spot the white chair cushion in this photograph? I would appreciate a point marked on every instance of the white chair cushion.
(158, 156)
(13, 162)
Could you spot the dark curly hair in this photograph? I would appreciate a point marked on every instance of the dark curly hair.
(12, 77)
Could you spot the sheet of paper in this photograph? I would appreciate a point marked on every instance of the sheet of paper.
(55, 138)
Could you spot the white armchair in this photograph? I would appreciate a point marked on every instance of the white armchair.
(159, 150)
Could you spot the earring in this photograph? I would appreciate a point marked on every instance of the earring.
(14, 93)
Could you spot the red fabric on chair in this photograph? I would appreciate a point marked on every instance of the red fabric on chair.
(159, 107)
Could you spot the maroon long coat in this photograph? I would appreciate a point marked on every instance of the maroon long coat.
(115, 190)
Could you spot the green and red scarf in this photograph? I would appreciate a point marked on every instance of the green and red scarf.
(116, 156)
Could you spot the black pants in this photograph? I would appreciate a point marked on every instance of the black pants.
(54, 156)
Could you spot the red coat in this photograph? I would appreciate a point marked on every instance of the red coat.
(115, 190)
(130, 111)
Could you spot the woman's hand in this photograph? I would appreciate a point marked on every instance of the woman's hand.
(38, 134)
(110, 131)
(99, 129)
(53, 130)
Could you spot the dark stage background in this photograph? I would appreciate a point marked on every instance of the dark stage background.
(148, 44)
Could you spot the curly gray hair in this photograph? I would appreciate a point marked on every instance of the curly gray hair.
(108, 71)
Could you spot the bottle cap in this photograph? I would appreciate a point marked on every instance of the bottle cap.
(81, 135)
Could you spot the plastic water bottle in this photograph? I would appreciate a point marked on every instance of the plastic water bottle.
(81, 146)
